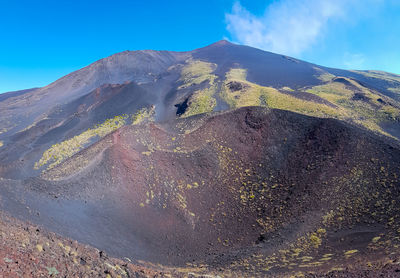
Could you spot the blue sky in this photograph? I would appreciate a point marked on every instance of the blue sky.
(43, 40)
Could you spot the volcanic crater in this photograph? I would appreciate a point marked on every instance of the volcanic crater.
(224, 161)
(250, 190)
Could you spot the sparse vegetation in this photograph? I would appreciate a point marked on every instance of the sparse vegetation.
(3, 130)
(315, 240)
(60, 151)
(379, 75)
(143, 114)
(196, 72)
(288, 89)
(369, 111)
(255, 95)
(323, 75)
(395, 90)
(63, 150)
(376, 239)
(350, 252)
(237, 74)
(202, 101)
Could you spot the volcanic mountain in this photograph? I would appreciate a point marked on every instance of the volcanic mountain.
(225, 160)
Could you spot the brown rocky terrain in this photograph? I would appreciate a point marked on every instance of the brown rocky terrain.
(28, 251)
(253, 192)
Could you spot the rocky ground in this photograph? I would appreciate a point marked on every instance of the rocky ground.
(29, 251)
(247, 193)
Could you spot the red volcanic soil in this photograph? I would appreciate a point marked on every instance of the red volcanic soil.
(28, 251)
(251, 192)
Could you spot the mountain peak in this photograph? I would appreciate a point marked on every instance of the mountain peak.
(219, 44)
(222, 42)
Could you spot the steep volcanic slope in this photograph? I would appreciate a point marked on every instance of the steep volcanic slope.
(137, 66)
(120, 155)
(44, 109)
(253, 190)
(7, 95)
(53, 120)
(264, 68)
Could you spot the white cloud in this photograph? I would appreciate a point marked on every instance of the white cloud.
(289, 26)
(354, 60)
